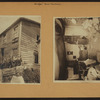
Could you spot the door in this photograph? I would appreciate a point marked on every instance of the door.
(2, 53)
(36, 57)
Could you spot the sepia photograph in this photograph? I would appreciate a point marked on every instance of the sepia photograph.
(20, 49)
(77, 49)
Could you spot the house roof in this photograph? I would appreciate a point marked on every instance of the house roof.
(18, 20)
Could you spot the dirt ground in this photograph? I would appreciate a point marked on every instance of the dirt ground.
(30, 75)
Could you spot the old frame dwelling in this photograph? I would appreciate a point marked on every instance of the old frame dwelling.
(21, 39)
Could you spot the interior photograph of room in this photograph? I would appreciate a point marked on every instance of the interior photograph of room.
(77, 48)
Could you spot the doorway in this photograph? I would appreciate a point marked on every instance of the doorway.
(2, 53)
(36, 57)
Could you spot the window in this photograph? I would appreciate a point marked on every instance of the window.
(15, 48)
(15, 40)
(4, 38)
(85, 48)
(69, 52)
(2, 51)
(37, 37)
(74, 57)
(15, 34)
(16, 27)
(15, 51)
(36, 57)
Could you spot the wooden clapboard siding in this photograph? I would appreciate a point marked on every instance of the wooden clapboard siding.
(28, 42)
(27, 48)
(8, 45)
(11, 34)
(26, 45)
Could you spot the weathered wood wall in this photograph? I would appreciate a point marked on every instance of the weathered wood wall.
(10, 49)
(28, 42)
(25, 46)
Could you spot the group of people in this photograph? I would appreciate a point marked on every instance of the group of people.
(10, 62)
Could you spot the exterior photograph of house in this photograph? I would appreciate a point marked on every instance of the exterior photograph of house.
(20, 49)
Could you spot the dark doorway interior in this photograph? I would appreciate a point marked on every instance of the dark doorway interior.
(2, 53)
(36, 57)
